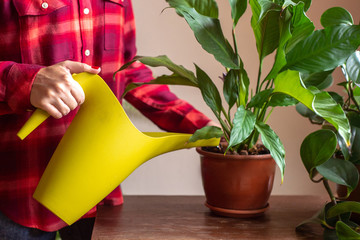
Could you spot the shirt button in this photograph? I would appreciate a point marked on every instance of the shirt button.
(87, 52)
(44, 5)
(86, 11)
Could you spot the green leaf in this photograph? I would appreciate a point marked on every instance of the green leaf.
(289, 82)
(317, 148)
(231, 87)
(285, 35)
(209, 91)
(164, 79)
(341, 172)
(243, 125)
(260, 98)
(238, 8)
(204, 7)
(306, 112)
(272, 142)
(282, 100)
(337, 97)
(324, 50)
(208, 33)
(244, 83)
(265, 24)
(353, 67)
(325, 106)
(180, 76)
(206, 132)
(355, 146)
(343, 207)
(356, 92)
(321, 80)
(322, 104)
(354, 119)
(317, 218)
(307, 3)
(163, 61)
(301, 25)
(344, 232)
(336, 16)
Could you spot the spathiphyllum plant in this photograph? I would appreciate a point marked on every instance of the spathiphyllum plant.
(280, 26)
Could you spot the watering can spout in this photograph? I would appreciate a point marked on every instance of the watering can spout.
(99, 150)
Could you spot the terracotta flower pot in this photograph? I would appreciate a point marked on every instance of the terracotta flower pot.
(237, 185)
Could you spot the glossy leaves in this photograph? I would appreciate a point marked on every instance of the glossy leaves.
(324, 50)
(329, 109)
(341, 172)
(272, 142)
(265, 24)
(353, 67)
(209, 91)
(206, 132)
(317, 148)
(243, 125)
(238, 8)
(180, 76)
(208, 33)
(336, 16)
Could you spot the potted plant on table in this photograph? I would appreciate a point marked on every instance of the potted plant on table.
(325, 155)
(279, 26)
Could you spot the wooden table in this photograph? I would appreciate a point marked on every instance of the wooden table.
(186, 217)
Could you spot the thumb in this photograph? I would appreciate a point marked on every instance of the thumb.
(78, 67)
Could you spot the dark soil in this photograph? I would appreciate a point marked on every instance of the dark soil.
(259, 149)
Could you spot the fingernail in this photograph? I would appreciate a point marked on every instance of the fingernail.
(95, 67)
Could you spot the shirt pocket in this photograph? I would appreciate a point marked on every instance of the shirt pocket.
(46, 34)
(114, 21)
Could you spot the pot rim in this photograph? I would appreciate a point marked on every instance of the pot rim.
(233, 157)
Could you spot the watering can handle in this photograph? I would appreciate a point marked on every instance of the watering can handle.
(38, 117)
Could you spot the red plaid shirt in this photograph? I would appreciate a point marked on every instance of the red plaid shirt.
(37, 33)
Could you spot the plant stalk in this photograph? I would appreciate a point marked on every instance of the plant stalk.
(353, 98)
(259, 77)
(227, 117)
(235, 43)
(329, 191)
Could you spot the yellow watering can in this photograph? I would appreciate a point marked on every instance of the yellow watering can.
(99, 150)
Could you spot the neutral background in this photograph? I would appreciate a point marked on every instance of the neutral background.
(178, 173)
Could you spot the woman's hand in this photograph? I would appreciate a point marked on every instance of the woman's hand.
(55, 91)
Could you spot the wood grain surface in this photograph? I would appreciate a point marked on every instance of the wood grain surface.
(186, 217)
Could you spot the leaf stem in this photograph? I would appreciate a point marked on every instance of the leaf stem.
(267, 117)
(235, 43)
(225, 129)
(349, 88)
(259, 77)
(352, 97)
(227, 117)
(329, 191)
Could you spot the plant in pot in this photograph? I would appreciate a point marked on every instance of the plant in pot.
(279, 26)
(325, 155)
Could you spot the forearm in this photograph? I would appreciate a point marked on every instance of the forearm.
(15, 85)
(166, 110)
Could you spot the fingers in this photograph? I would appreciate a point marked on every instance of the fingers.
(77, 67)
(55, 91)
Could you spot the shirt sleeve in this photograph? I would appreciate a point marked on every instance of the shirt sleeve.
(15, 86)
(156, 102)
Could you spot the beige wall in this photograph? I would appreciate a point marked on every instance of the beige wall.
(178, 173)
